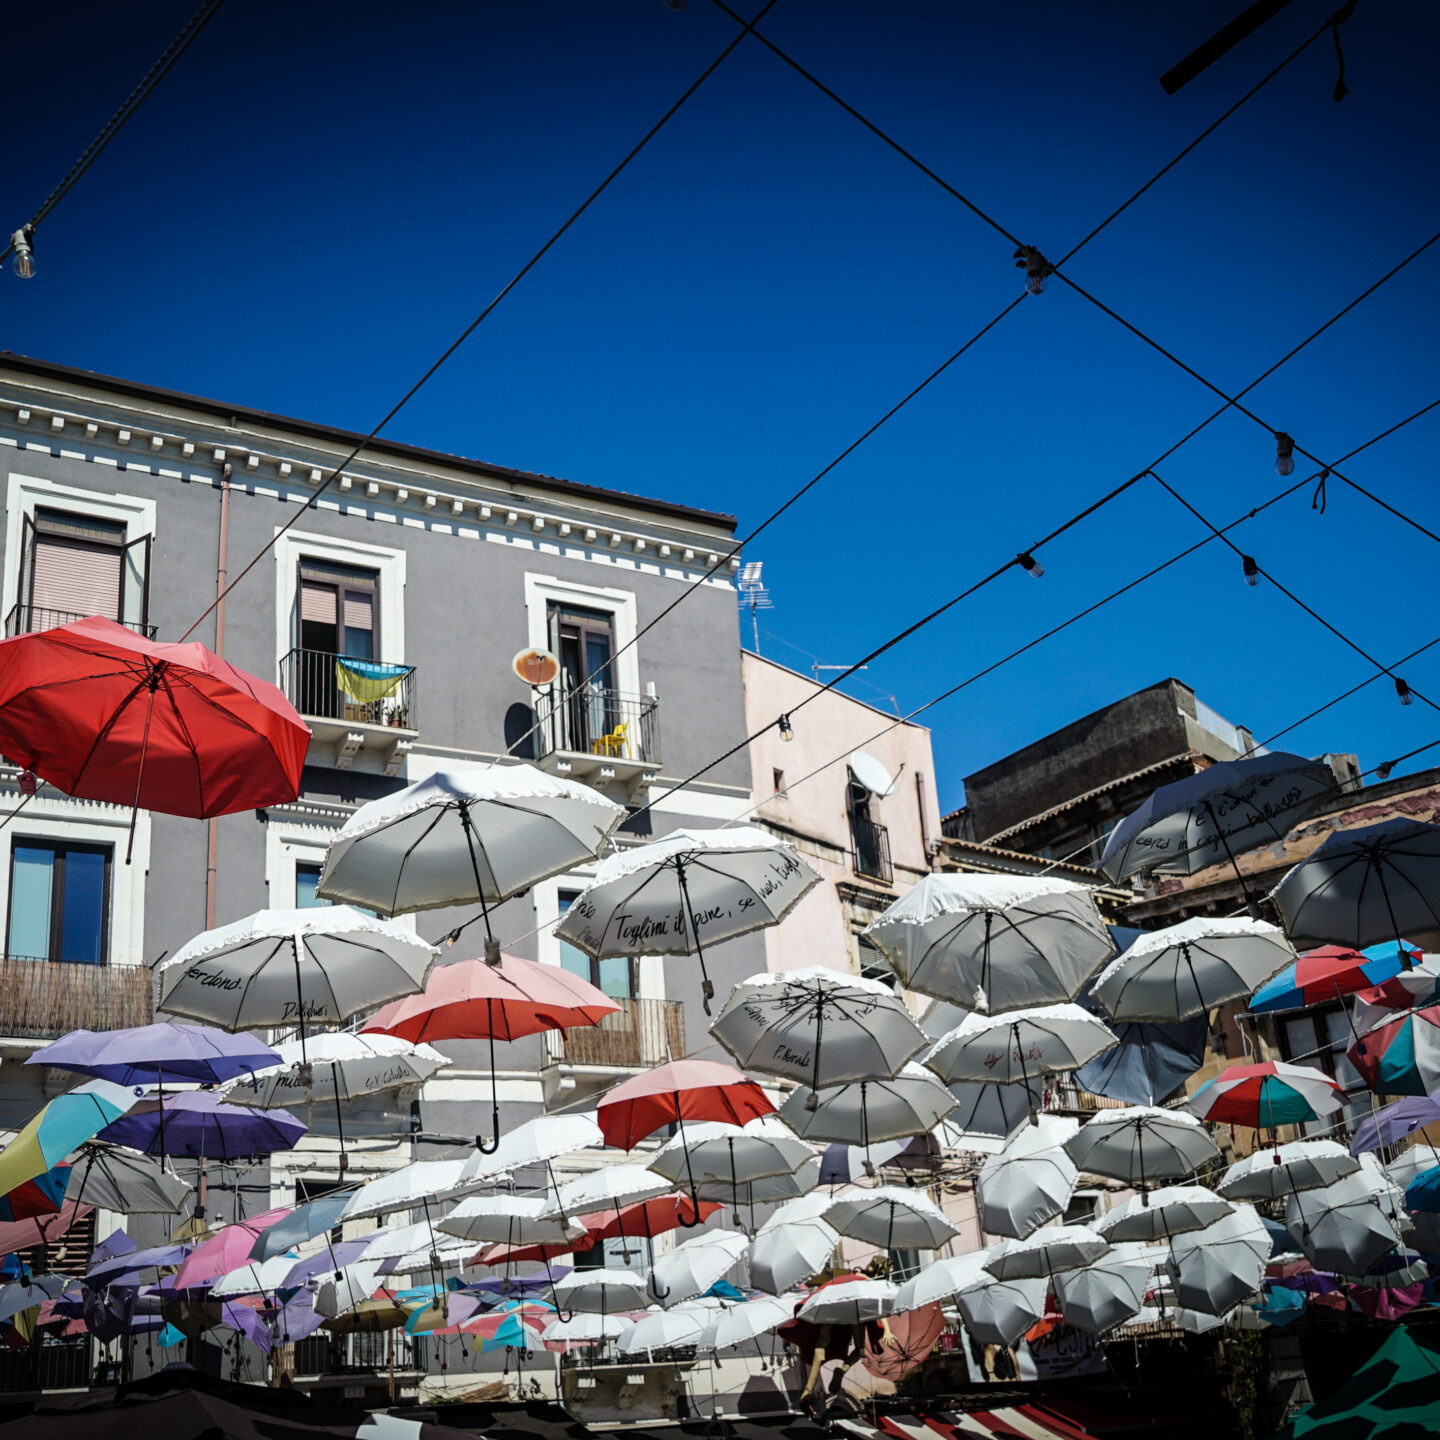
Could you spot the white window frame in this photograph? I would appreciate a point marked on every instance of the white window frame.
(297, 545)
(58, 818)
(25, 493)
(540, 590)
(292, 839)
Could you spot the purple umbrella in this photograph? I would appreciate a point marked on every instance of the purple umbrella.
(297, 1319)
(325, 1262)
(505, 1285)
(195, 1123)
(153, 1054)
(133, 1267)
(1395, 1121)
(115, 1244)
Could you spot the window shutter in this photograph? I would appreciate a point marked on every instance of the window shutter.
(76, 577)
(318, 602)
(359, 610)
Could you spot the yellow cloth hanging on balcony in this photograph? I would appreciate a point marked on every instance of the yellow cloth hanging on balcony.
(364, 682)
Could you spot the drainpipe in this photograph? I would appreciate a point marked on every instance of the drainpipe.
(212, 838)
(930, 851)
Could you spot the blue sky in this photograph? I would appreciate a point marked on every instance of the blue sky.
(320, 197)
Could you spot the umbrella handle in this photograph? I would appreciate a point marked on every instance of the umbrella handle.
(494, 1144)
(660, 1292)
(689, 1173)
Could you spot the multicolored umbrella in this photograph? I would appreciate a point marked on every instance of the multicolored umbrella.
(64, 1124)
(1327, 974)
(1267, 1095)
(1401, 1057)
(40, 1195)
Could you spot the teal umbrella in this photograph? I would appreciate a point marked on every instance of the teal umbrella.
(65, 1124)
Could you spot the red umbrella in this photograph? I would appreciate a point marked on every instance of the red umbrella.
(477, 1000)
(673, 1093)
(41, 1229)
(503, 1254)
(648, 1218)
(104, 714)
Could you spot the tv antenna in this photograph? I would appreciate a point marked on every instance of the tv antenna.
(754, 597)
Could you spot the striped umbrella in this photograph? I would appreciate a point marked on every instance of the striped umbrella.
(1327, 974)
(1267, 1095)
(64, 1124)
(1402, 1056)
(40, 1195)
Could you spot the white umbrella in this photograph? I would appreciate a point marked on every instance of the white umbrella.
(734, 1324)
(1420, 985)
(412, 1187)
(849, 1302)
(1051, 1249)
(1408, 1165)
(941, 1281)
(36, 1291)
(336, 1065)
(125, 1181)
(690, 889)
(1191, 968)
(1140, 1143)
(356, 1282)
(912, 1102)
(660, 1329)
(610, 1188)
(1348, 1225)
(544, 1138)
(316, 966)
(1301, 1165)
(1172, 1210)
(693, 1267)
(1020, 1045)
(511, 1220)
(716, 1152)
(601, 1291)
(999, 1312)
(1196, 1322)
(795, 1243)
(1107, 1293)
(466, 837)
(418, 1241)
(768, 1191)
(1214, 1269)
(890, 1216)
(996, 942)
(1030, 1181)
(255, 1278)
(990, 1112)
(585, 1327)
(819, 1026)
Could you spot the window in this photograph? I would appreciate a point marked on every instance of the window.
(587, 709)
(777, 782)
(870, 839)
(873, 965)
(59, 901)
(74, 565)
(339, 610)
(904, 1265)
(307, 880)
(1320, 1037)
(1082, 1209)
(614, 977)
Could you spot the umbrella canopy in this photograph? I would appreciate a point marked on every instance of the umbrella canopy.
(692, 1268)
(41, 1229)
(1392, 1123)
(465, 837)
(1348, 1225)
(254, 1277)
(819, 1026)
(1111, 1291)
(714, 1151)
(105, 714)
(1208, 818)
(226, 1250)
(408, 1188)
(34, 1291)
(678, 1090)
(63, 1125)
(514, 1219)
(1191, 968)
(368, 1317)
(588, 1328)
(992, 1111)
(912, 1102)
(772, 1189)
(303, 1223)
(534, 1142)
(1410, 1163)
(40, 1195)
(1402, 1056)
(341, 1066)
(197, 1122)
(1030, 1181)
(1051, 1249)
(648, 1218)
(1329, 973)
(661, 1329)
(125, 1182)
(610, 1187)
(346, 1282)
(1019, 1045)
(1171, 1210)
(286, 967)
(1301, 1165)
(890, 1216)
(1266, 1095)
(1408, 989)
(1141, 1143)
(690, 889)
(1214, 1269)
(999, 1312)
(996, 942)
(734, 1324)
(848, 1302)
(154, 1054)
(603, 1291)
(1364, 886)
(1423, 1192)
(942, 1280)
(795, 1243)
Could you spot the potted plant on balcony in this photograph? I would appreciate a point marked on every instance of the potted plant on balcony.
(399, 718)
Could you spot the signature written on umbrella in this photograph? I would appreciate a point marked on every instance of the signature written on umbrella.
(213, 979)
(305, 1010)
(1030, 1052)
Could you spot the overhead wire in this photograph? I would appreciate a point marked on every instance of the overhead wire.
(470, 329)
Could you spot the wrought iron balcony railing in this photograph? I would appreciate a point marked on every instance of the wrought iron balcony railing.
(327, 686)
(25, 619)
(872, 849)
(590, 720)
(43, 999)
(634, 1038)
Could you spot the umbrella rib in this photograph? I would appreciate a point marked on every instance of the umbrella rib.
(105, 729)
(253, 976)
(440, 813)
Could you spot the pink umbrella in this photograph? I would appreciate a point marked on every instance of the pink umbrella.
(41, 1229)
(1387, 1302)
(225, 1251)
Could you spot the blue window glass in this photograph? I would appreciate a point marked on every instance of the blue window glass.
(614, 977)
(307, 877)
(575, 960)
(59, 901)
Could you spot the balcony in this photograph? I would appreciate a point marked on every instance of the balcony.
(636, 1037)
(25, 619)
(605, 738)
(44, 999)
(872, 849)
(353, 705)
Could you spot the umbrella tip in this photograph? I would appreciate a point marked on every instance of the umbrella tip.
(492, 950)
(812, 1100)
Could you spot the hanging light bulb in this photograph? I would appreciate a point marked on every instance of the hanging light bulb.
(1383, 769)
(1403, 691)
(1036, 267)
(1030, 565)
(22, 258)
(1252, 570)
(1284, 454)
(786, 731)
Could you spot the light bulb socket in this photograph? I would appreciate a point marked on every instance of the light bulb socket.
(787, 731)
(1252, 570)
(1030, 565)
(1404, 692)
(1036, 267)
(22, 246)
(1284, 454)
(1383, 769)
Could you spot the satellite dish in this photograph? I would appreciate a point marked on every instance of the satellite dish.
(536, 667)
(871, 774)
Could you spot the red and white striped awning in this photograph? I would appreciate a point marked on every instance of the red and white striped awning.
(1030, 1422)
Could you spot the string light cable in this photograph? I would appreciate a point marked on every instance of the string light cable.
(475, 324)
(23, 238)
